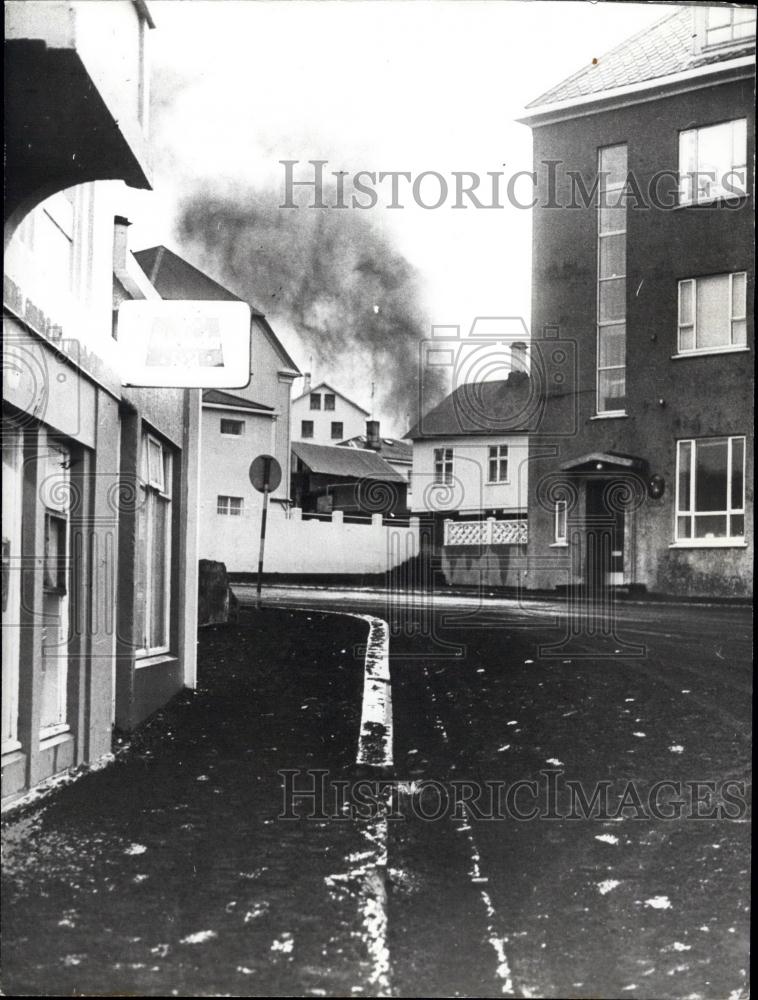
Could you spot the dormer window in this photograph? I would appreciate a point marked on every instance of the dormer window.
(727, 25)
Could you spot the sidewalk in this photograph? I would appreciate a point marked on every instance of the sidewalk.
(168, 873)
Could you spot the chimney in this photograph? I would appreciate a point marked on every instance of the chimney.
(120, 243)
(306, 382)
(518, 357)
(373, 441)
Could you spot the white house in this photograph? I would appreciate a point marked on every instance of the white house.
(470, 480)
(237, 426)
(322, 415)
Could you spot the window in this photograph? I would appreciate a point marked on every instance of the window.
(56, 495)
(337, 430)
(229, 505)
(559, 524)
(152, 599)
(713, 162)
(306, 428)
(11, 518)
(725, 25)
(712, 312)
(710, 491)
(498, 463)
(611, 281)
(329, 401)
(236, 427)
(443, 465)
(315, 400)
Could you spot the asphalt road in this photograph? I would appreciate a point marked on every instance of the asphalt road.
(508, 718)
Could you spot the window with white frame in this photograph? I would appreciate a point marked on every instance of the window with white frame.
(231, 506)
(153, 577)
(337, 430)
(710, 494)
(443, 465)
(498, 463)
(560, 517)
(611, 281)
(329, 401)
(712, 312)
(315, 400)
(232, 427)
(306, 428)
(726, 25)
(713, 162)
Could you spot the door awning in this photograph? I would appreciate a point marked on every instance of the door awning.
(604, 461)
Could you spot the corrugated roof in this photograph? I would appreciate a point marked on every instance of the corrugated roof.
(221, 398)
(354, 463)
(665, 48)
(503, 406)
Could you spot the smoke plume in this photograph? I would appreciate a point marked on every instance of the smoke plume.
(330, 276)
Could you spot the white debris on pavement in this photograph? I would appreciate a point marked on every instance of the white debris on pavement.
(606, 886)
(658, 902)
(199, 937)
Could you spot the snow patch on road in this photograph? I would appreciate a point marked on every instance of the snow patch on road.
(658, 903)
(199, 937)
(606, 886)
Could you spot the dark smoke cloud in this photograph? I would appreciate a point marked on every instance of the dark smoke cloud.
(333, 277)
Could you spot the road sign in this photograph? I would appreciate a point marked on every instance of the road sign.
(182, 343)
(265, 473)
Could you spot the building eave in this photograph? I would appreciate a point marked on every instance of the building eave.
(637, 93)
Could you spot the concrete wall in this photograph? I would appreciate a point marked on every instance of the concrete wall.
(305, 547)
(667, 398)
(470, 490)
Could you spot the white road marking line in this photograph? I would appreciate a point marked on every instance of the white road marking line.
(496, 940)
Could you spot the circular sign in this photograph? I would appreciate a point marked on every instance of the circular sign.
(265, 473)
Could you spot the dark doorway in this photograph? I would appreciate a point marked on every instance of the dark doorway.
(605, 536)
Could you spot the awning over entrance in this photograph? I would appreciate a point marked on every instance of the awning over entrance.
(604, 461)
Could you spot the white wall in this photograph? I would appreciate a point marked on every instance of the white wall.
(470, 490)
(353, 419)
(304, 547)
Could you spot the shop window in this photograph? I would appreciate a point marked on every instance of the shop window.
(152, 599)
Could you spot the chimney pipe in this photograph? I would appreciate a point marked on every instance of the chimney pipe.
(518, 357)
(306, 382)
(120, 243)
(373, 440)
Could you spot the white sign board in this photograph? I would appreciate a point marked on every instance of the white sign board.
(175, 344)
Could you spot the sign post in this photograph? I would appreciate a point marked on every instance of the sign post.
(265, 475)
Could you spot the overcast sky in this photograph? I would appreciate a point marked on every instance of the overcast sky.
(409, 85)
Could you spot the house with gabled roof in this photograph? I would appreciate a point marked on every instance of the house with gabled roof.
(236, 426)
(470, 478)
(322, 414)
